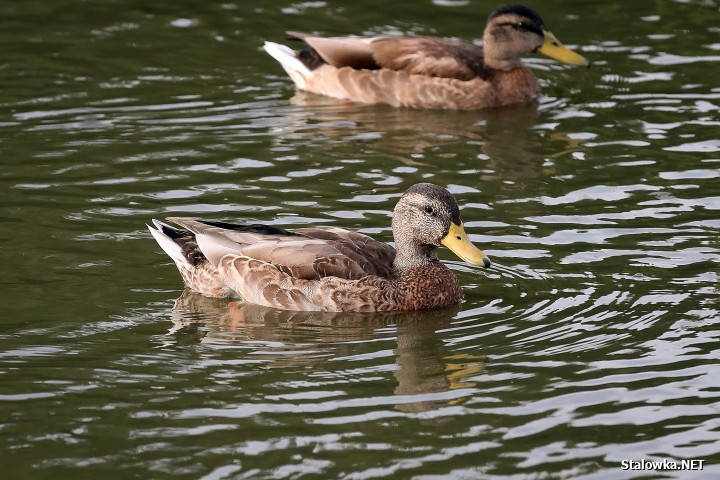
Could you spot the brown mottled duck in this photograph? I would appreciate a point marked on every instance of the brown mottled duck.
(428, 72)
(328, 268)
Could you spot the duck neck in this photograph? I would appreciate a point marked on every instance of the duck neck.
(496, 57)
(414, 255)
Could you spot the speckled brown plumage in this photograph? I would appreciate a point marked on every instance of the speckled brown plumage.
(328, 269)
(427, 72)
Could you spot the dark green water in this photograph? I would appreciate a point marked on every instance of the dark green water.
(595, 339)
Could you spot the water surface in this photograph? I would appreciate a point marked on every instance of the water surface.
(593, 340)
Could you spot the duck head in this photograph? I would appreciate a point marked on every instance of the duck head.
(426, 217)
(514, 31)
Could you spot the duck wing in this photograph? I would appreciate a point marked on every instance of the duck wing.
(370, 256)
(354, 52)
(307, 253)
(429, 56)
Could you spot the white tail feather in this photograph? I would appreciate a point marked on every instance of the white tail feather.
(168, 246)
(287, 58)
(214, 247)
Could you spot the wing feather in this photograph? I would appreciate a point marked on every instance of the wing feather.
(305, 253)
(414, 55)
(430, 56)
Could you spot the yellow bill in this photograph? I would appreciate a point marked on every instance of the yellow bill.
(557, 51)
(457, 241)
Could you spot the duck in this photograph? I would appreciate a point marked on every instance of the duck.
(328, 268)
(427, 72)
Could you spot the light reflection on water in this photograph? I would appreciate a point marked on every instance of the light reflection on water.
(592, 340)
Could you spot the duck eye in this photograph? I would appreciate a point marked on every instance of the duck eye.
(528, 27)
(428, 209)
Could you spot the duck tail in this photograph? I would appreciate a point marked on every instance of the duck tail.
(287, 57)
(164, 234)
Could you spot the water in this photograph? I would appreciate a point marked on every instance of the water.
(594, 339)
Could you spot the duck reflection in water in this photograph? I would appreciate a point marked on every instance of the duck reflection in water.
(506, 139)
(425, 373)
